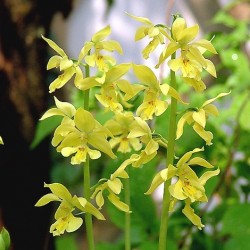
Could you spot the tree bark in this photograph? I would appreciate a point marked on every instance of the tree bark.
(23, 99)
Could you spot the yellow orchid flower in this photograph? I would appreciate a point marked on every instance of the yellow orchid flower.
(101, 61)
(114, 187)
(120, 127)
(154, 93)
(1, 140)
(155, 32)
(65, 220)
(78, 132)
(188, 187)
(197, 118)
(191, 61)
(65, 64)
(182, 36)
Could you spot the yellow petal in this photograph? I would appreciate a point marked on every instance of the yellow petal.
(65, 63)
(74, 224)
(54, 62)
(89, 208)
(1, 140)
(119, 204)
(207, 175)
(211, 109)
(84, 120)
(117, 72)
(206, 44)
(176, 190)
(67, 108)
(85, 49)
(94, 154)
(140, 19)
(145, 75)
(210, 68)
(112, 45)
(151, 147)
(188, 34)
(200, 117)
(200, 161)
(52, 112)
(205, 135)
(115, 185)
(101, 144)
(140, 33)
(178, 26)
(183, 160)
(46, 199)
(161, 177)
(198, 85)
(101, 34)
(171, 48)
(54, 46)
(59, 190)
(181, 123)
(195, 219)
(213, 99)
(99, 199)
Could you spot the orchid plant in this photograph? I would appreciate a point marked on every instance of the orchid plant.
(130, 131)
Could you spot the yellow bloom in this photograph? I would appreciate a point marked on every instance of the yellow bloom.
(120, 127)
(114, 187)
(1, 140)
(155, 32)
(197, 117)
(65, 64)
(101, 61)
(191, 61)
(65, 220)
(154, 93)
(78, 132)
(189, 186)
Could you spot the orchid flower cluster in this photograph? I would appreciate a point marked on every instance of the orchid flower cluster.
(130, 131)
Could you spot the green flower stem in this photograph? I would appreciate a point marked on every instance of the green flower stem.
(170, 159)
(127, 215)
(86, 183)
(88, 216)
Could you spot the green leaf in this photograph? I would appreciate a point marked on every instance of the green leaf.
(43, 129)
(6, 238)
(236, 222)
(245, 118)
(2, 243)
(67, 241)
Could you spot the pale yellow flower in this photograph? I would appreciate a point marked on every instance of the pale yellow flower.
(65, 220)
(154, 102)
(1, 140)
(156, 33)
(197, 117)
(79, 133)
(120, 126)
(68, 66)
(98, 43)
(191, 61)
(188, 187)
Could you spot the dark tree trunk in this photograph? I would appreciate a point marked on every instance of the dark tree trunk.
(23, 99)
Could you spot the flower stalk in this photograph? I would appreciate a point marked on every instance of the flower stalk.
(86, 180)
(127, 214)
(170, 158)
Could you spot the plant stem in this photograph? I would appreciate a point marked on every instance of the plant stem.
(170, 158)
(88, 216)
(127, 215)
(86, 183)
